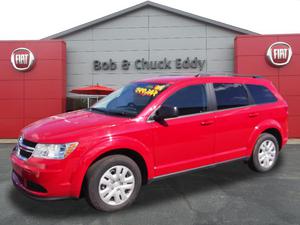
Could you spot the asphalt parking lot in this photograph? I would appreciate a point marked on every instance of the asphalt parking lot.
(229, 194)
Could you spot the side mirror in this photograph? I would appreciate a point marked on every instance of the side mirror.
(165, 112)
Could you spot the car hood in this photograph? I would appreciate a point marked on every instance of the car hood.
(68, 127)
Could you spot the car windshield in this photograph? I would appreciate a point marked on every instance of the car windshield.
(130, 100)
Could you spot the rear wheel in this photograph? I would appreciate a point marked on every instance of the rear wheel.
(113, 183)
(265, 154)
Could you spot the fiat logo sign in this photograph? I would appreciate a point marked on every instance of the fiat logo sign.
(22, 59)
(279, 53)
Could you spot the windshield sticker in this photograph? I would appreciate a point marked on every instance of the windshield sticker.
(150, 90)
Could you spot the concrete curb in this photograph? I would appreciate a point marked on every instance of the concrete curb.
(8, 141)
(292, 141)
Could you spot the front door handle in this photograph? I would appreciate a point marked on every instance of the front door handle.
(206, 122)
(254, 114)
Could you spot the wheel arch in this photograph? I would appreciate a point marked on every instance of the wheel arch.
(137, 152)
(268, 126)
(134, 155)
(276, 133)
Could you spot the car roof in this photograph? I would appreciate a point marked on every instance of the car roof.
(173, 79)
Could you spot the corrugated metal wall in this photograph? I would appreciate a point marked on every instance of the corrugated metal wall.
(147, 33)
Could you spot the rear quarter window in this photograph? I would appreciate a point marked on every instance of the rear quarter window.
(261, 94)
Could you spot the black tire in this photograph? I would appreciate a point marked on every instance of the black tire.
(254, 160)
(97, 170)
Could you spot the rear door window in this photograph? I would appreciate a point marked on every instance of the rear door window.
(230, 95)
(261, 94)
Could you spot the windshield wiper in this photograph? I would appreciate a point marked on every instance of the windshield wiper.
(97, 110)
(121, 113)
(117, 113)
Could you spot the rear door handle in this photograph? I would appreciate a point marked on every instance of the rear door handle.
(254, 114)
(206, 122)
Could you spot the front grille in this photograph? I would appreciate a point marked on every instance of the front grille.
(25, 153)
(29, 143)
(25, 148)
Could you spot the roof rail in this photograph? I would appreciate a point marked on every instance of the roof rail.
(227, 74)
(168, 75)
(248, 75)
(257, 76)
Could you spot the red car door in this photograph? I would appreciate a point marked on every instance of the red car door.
(232, 121)
(186, 141)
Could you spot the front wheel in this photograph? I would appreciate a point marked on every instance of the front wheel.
(265, 154)
(113, 183)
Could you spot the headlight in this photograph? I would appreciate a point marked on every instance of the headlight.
(54, 151)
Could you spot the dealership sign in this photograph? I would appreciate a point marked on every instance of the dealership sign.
(22, 59)
(143, 64)
(279, 53)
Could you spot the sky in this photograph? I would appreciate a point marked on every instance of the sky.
(36, 19)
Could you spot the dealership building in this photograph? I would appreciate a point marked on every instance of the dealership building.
(142, 41)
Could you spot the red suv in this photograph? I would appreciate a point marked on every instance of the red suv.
(147, 130)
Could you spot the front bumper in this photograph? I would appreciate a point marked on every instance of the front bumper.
(42, 178)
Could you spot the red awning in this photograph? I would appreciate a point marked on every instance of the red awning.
(93, 90)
